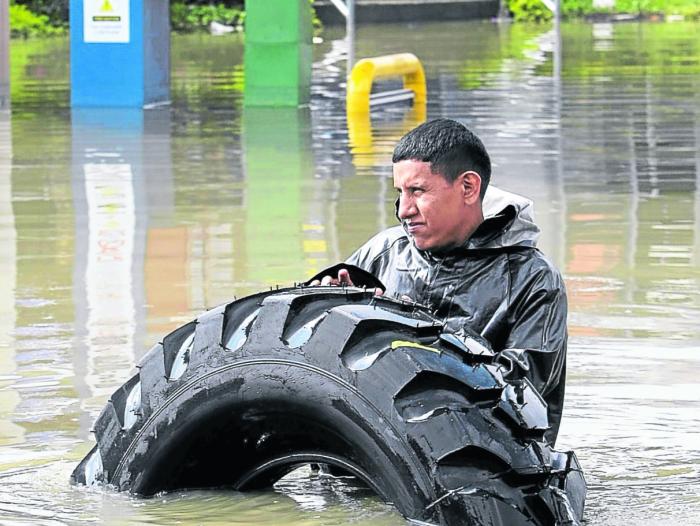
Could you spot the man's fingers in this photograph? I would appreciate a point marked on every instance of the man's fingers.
(344, 277)
(404, 297)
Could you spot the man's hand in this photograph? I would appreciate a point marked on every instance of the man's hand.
(343, 279)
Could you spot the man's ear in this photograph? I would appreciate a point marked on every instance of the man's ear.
(471, 186)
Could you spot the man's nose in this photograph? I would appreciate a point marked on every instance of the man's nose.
(406, 208)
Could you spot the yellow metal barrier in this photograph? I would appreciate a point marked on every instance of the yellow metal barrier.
(366, 70)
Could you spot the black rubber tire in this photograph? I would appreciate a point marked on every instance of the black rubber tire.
(336, 376)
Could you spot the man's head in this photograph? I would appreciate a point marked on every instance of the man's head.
(441, 171)
(450, 148)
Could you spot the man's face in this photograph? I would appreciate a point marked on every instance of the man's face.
(436, 213)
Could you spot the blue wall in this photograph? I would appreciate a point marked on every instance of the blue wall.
(122, 74)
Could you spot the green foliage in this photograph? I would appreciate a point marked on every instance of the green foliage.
(576, 7)
(56, 10)
(531, 10)
(316, 23)
(24, 23)
(49, 17)
(188, 16)
(689, 8)
(191, 17)
(535, 10)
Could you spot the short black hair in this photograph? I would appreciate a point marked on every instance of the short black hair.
(450, 148)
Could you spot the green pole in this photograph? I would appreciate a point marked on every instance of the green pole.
(277, 52)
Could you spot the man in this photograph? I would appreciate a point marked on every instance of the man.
(470, 255)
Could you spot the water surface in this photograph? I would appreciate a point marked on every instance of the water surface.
(117, 226)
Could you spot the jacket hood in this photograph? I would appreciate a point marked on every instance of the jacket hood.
(508, 221)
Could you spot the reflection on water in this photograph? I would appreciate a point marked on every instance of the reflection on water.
(116, 226)
(10, 433)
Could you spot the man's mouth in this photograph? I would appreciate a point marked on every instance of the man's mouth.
(412, 228)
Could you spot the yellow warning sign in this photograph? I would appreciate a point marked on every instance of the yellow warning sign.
(106, 21)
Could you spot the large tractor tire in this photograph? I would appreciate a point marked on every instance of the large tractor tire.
(337, 376)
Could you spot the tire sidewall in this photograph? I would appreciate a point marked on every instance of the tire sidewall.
(281, 388)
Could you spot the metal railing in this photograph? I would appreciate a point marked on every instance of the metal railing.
(406, 65)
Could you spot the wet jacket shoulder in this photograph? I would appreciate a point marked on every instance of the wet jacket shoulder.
(497, 284)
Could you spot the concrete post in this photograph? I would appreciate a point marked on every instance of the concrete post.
(4, 54)
(120, 52)
(277, 52)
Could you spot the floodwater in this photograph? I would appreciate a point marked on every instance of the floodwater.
(116, 226)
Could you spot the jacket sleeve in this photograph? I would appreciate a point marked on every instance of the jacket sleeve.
(362, 257)
(536, 345)
(366, 256)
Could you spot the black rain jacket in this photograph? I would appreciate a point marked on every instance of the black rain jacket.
(497, 284)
